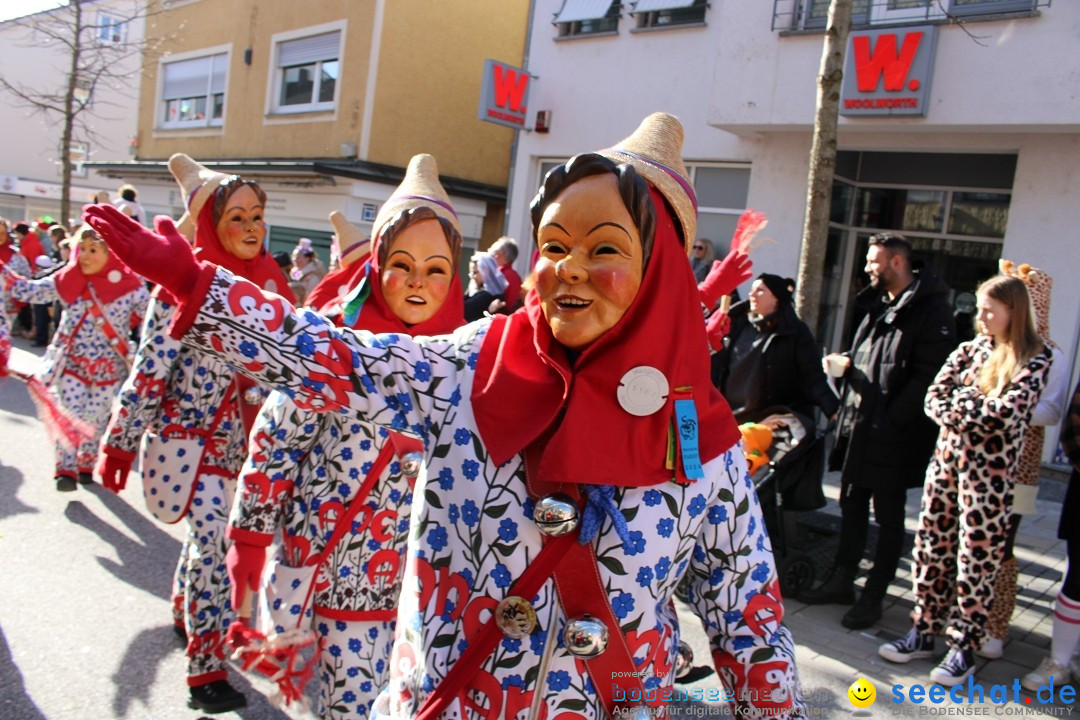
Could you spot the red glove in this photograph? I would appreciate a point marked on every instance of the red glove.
(164, 258)
(717, 327)
(724, 277)
(244, 562)
(113, 468)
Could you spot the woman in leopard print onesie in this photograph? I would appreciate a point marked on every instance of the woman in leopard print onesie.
(983, 399)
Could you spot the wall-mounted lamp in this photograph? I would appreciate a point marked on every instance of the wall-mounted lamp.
(247, 56)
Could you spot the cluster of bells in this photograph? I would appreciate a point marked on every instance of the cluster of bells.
(584, 637)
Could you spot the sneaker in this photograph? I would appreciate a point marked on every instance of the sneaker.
(65, 483)
(957, 667)
(912, 646)
(216, 697)
(992, 648)
(1047, 672)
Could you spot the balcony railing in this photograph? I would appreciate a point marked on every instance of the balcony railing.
(811, 14)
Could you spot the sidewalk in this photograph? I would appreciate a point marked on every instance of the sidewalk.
(826, 647)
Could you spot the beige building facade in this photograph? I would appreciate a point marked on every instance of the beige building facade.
(324, 103)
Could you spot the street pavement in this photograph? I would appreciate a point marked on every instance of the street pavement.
(86, 630)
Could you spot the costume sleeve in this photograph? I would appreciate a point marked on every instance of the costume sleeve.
(936, 339)
(139, 302)
(1011, 411)
(136, 407)
(281, 437)
(1051, 406)
(38, 292)
(941, 395)
(390, 380)
(735, 590)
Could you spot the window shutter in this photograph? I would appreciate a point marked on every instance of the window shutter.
(577, 10)
(654, 5)
(217, 74)
(186, 78)
(305, 51)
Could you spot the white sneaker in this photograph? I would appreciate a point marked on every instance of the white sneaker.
(957, 666)
(992, 648)
(1047, 672)
(912, 646)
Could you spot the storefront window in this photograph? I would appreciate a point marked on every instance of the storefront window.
(843, 195)
(979, 213)
(901, 209)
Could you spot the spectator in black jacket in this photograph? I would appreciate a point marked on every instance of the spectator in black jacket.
(885, 439)
(770, 357)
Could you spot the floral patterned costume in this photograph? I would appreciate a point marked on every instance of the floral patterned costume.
(711, 529)
(174, 389)
(81, 365)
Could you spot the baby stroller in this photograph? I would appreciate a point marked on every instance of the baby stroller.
(787, 474)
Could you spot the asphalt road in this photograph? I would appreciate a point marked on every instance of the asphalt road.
(85, 621)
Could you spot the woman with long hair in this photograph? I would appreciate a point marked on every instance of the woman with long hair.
(983, 399)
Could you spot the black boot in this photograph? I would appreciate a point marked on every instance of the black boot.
(65, 483)
(865, 612)
(838, 588)
(216, 697)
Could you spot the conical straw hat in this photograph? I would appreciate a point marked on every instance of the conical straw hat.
(419, 188)
(352, 244)
(655, 151)
(197, 183)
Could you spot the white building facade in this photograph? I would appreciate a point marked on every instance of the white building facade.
(972, 152)
(30, 167)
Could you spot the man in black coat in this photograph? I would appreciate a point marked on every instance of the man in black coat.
(885, 439)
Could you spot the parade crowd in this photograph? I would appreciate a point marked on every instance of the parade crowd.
(462, 502)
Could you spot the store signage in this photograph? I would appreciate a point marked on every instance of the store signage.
(888, 71)
(504, 94)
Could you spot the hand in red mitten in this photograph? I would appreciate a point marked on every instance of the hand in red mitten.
(164, 257)
(717, 327)
(244, 562)
(113, 468)
(724, 277)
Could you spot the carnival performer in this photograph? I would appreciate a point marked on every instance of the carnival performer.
(90, 354)
(10, 257)
(578, 461)
(193, 411)
(983, 399)
(307, 471)
(1048, 411)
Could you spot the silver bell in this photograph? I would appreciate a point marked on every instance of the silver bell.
(585, 637)
(253, 396)
(555, 514)
(410, 464)
(684, 659)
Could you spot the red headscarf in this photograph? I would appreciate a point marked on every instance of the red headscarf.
(261, 269)
(30, 247)
(334, 285)
(111, 282)
(523, 381)
(377, 317)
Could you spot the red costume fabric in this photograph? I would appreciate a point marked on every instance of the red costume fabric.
(521, 359)
(30, 247)
(513, 285)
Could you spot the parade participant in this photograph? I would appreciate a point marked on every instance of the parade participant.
(578, 461)
(306, 469)
(505, 251)
(10, 258)
(307, 270)
(982, 399)
(90, 354)
(486, 286)
(193, 409)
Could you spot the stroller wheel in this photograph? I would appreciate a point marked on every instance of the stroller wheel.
(796, 573)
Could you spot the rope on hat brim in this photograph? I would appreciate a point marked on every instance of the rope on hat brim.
(428, 198)
(600, 501)
(675, 175)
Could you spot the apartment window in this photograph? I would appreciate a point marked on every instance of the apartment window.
(587, 17)
(193, 91)
(982, 7)
(307, 73)
(666, 13)
(111, 29)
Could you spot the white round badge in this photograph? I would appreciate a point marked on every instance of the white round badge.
(642, 390)
(114, 276)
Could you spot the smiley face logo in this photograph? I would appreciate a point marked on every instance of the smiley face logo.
(861, 693)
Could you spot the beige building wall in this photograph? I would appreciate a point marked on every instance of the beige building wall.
(430, 70)
(426, 82)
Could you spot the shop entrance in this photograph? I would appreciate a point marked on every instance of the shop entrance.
(952, 207)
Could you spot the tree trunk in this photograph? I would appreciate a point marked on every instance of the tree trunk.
(69, 118)
(822, 165)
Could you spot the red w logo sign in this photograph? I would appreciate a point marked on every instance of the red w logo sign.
(871, 65)
(510, 87)
(504, 94)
